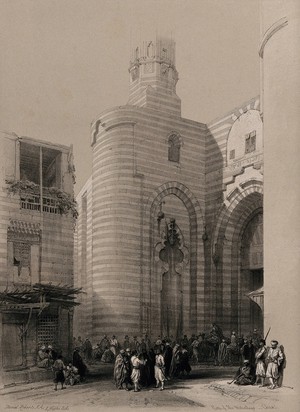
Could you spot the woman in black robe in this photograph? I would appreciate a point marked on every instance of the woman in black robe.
(79, 364)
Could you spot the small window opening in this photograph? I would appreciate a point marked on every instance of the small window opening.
(174, 149)
(250, 142)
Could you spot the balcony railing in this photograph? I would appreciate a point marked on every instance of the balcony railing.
(33, 202)
(54, 200)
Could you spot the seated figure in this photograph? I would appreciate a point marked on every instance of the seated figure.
(244, 375)
(43, 358)
(71, 375)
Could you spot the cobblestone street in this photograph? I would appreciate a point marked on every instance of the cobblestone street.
(207, 388)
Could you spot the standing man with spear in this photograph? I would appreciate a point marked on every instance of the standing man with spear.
(274, 359)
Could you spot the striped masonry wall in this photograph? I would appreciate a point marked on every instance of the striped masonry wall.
(130, 168)
(133, 181)
(130, 163)
(155, 98)
(83, 274)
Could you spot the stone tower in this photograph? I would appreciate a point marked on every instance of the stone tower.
(169, 235)
(147, 182)
(153, 76)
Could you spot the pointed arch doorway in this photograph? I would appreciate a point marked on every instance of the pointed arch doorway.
(238, 260)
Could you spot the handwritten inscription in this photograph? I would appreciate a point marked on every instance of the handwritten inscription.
(41, 407)
(241, 407)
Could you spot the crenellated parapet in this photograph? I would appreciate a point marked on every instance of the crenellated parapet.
(153, 75)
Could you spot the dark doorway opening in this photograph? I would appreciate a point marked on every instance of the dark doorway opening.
(256, 315)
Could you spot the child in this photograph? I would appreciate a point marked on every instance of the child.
(59, 376)
(71, 374)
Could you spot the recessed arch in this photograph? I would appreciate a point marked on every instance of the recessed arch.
(254, 186)
(196, 254)
(180, 190)
(234, 217)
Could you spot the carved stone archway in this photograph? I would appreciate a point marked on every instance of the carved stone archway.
(238, 210)
(149, 296)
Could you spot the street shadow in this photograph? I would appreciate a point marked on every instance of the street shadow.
(210, 375)
(177, 386)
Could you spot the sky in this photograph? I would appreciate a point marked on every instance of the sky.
(63, 62)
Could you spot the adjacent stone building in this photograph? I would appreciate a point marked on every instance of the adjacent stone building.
(36, 251)
(169, 235)
(280, 91)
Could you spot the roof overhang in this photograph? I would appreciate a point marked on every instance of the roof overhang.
(257, 296)
(38, 296)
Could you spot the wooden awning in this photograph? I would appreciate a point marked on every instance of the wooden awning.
(257, 296)
(38, 296)
(15, 307)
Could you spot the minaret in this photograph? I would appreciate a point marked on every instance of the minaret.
(153, 76)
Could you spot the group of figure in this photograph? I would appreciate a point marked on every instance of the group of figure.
(199, 348)
(106, 350)
(85, 347)
(46, 356)
(65, 374)
(71, 373)
(238, 347)
(265, 362)
(211, 346)
(153, 366)
(140, 363)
